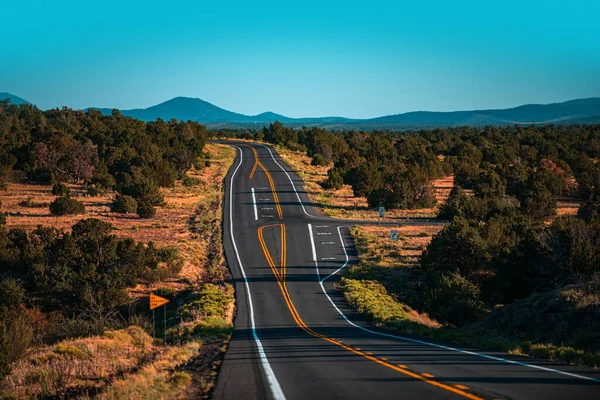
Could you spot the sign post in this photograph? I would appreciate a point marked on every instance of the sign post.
(155, 302)
(394, 235)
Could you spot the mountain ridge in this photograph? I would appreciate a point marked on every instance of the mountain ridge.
(577, 111)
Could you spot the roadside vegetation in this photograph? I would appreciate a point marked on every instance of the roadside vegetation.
(78, 260)
(514, 266)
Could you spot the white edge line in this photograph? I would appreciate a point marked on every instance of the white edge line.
(472, 353)
(271, 378)
(254, 203)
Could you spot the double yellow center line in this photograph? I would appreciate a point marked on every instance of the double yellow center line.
(280, 275)
(257, 164)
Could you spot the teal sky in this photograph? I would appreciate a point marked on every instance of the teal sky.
(301, 58)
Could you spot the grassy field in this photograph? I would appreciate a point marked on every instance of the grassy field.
(128, 363)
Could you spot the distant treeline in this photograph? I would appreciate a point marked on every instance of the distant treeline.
(104, 152)
(534, 164)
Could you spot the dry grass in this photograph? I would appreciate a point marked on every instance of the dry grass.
(75, 367)
(375, 247)
(123, 364)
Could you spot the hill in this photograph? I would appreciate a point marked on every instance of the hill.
(12, 98)
(578, 111)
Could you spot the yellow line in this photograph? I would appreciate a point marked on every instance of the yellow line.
(367, 355)
(427, 376)
(271, 183)
(275, 197)
(255, 161)
(461, 387)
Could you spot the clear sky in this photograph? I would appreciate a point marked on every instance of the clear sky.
(301, 58)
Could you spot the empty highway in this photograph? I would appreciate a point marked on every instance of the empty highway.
(294, 336)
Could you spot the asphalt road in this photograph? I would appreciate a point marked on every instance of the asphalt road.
(295, 338)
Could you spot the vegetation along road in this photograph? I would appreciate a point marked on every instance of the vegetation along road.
(294, 335)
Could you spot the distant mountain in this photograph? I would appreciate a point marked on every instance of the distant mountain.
(185, 108)
(579, 111)
(13, 99)
(565, 112)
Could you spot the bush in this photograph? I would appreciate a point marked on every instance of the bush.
(146, 210)
(65, 205)
(334, 180)
(318, 159)
(454, 299)
(60, 189)
(189, 181)
(124, 204)
(207, 163)
(16, 334)
(12, 293)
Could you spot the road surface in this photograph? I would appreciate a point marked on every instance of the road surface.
(295, 338)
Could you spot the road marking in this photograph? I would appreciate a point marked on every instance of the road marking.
(327, 258)
(461, 387)
(263, 199)
(472, 353)
(289, 178)
(323, 233)
(254, 204)
(266, 216)
(327, 242)
(266, 208)
(312, 243)
(366, 354)
(255, 162)
(428, 376)
(322, 226)
(271, 378)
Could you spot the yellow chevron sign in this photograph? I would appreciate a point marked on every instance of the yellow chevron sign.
(157, 301)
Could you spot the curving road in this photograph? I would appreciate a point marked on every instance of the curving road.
(295, 338)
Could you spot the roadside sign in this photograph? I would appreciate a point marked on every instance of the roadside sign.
(381, 212)
(394, 234)
(157, 301)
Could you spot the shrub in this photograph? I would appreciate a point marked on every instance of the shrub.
(12, 293)
(189, 181)
(16, 334)
(146, 210)
(454, 299)
(207, 163)
(181, 379)
(209, 301)
(124, 204)
(65, 205)
(318, 159)
(28, 202)
(334, 180)
(60, 189)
